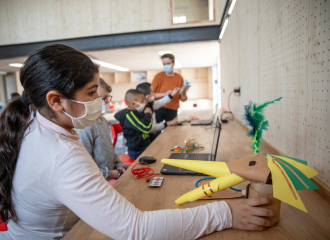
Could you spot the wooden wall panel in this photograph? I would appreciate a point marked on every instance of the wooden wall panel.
(24, 21)
(119, 90)
(198, 90)
(122, 77)
(189, 73)
(280, 48)
(209, 82)
(109, 78)
(151, 75)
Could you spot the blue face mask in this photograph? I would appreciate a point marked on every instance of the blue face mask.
(167, 68)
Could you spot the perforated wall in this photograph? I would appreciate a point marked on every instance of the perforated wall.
(278, 48)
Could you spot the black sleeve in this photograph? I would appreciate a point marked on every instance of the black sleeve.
(133, 122)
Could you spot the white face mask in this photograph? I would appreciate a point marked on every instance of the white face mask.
(151, 99)
(141, 108)
(105, 107)
(93, 110)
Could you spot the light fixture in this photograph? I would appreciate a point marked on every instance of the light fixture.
(161, 53)
(109, 65)
(177, 64)
(180, 19)
(223, 28)
(231, 7)
(16, 65)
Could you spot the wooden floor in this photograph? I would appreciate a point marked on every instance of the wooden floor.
(234, 144)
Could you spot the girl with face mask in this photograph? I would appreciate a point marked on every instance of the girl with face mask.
(97, 141)
(48, 181)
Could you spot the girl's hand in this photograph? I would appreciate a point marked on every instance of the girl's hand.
(247, 215)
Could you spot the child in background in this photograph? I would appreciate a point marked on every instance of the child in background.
(147, 90)
(136, 121)
(96, 139)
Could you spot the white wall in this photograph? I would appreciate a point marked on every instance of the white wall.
(3, 98)
(216, 91)
(279, 48)
(23, 21)
(10, 84)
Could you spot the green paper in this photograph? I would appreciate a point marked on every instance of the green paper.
(296, 182)
(298, 160)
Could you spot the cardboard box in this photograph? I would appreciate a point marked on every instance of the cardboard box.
(254, 190)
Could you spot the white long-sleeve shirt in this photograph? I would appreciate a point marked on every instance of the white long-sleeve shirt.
(158, 127)
(56, 182)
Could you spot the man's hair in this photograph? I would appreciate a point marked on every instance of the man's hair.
(168, 55)
(131, 95)
(105, 86)
(15, 94)
(144, 88)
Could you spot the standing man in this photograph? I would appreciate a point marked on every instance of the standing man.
(165, 82)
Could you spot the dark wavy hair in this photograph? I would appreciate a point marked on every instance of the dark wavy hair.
(144, 88)
(54, 67)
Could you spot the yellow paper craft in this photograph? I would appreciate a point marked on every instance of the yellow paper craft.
(288, 175)
(215, 185)
(215, 169)
(283, 188)
(309, 172)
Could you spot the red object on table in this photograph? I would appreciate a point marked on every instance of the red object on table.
(115, 130)
(195, 105)
(143, 172)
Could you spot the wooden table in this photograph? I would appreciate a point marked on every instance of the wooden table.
(234, 144)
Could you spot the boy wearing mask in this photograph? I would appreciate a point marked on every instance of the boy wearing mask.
(97, 141)
(154, 104)
(136, 121)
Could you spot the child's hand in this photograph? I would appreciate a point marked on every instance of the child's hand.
(248, 216)
(174, 122)
(146, 99)
(113, 174)
(122, 169)
(175, 91)
(148, 110)
(168, 92)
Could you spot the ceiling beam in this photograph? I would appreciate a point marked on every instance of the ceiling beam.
(178, 35)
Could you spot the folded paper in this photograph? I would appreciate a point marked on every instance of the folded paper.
(288, 175)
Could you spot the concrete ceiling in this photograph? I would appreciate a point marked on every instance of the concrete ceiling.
(189, 55)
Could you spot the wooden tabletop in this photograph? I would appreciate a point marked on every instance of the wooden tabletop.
(234, 144)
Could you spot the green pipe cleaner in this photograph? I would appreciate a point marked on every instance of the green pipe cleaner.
(254, 117)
